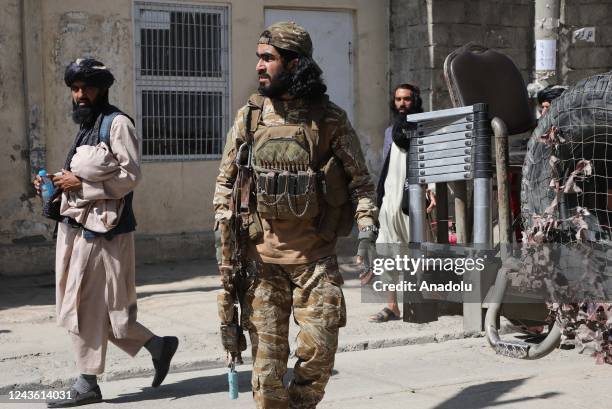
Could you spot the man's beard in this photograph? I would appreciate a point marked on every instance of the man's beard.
(82, 114)
(397, 113)
(86, 114)
(279, 85)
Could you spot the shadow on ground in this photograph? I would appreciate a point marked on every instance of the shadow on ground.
(40, 289)
(202, 385)
(486, 395)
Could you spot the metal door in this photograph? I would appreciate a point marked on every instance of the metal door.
(332, 37)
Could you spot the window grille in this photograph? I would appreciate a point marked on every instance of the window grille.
(182, 80)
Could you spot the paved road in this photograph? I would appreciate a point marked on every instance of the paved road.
(173, 299)
(463, 374)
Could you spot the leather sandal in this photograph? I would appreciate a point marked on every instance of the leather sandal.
(384, 315)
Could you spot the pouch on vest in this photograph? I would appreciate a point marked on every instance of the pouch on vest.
(286, 184)
(284, 195)
(335, 190)
(338, 217)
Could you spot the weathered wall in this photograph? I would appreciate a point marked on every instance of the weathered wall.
(424, 32)
(17, 204)
(504, 25)
(173, 204)
(580, 59)
(411, 46)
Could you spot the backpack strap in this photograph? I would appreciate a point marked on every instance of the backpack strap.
(105, 126)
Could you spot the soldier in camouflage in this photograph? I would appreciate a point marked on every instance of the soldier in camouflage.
(307, 171)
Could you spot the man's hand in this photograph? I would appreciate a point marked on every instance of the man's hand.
(36, 182)
(227, 277)
(366, 252)
(432, 200)
(67, 181)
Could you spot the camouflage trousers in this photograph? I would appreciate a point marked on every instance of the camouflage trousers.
(313, 292)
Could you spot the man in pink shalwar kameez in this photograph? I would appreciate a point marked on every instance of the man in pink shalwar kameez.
(95, 272)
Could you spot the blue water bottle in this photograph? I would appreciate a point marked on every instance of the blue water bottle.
(46, 186)
(232, 379)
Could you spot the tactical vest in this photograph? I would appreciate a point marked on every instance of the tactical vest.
(290, 182)
(284, 163)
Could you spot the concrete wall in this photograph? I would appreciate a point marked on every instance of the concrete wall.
(411, 45)
(505, 25)
(17, 202)
(424, 32)
(173, 204)
(580, 59)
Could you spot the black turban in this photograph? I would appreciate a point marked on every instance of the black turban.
(549, 93)
(91, 72)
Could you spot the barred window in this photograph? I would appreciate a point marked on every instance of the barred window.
(182, 80)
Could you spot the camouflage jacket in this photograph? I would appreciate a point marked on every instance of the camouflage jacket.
(298, 243)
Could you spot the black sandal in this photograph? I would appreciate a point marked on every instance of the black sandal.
(384, 315)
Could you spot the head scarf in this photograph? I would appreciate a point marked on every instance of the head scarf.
(287, 35)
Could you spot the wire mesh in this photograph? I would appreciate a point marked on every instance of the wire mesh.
(567, 174)
(566, 206)
(182, 80)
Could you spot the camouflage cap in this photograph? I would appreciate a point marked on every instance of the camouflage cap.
(288, 36)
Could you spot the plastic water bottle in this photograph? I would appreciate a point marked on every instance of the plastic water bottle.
(232, 379)
(46, 186)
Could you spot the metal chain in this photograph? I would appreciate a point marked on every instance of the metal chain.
(277, 201)
(305, 206)
(289, 201)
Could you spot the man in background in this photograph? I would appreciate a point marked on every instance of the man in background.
(546, 96)
(394, 224)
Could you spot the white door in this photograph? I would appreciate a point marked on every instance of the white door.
(332, 39)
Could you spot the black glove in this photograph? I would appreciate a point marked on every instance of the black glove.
(367, 248)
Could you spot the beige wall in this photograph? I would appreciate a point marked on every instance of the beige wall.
(182, 201)
(174, 197)
(17, 203)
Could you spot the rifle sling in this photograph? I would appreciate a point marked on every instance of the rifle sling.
(253, 115)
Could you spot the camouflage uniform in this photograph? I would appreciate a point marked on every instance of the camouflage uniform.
(295, 268)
